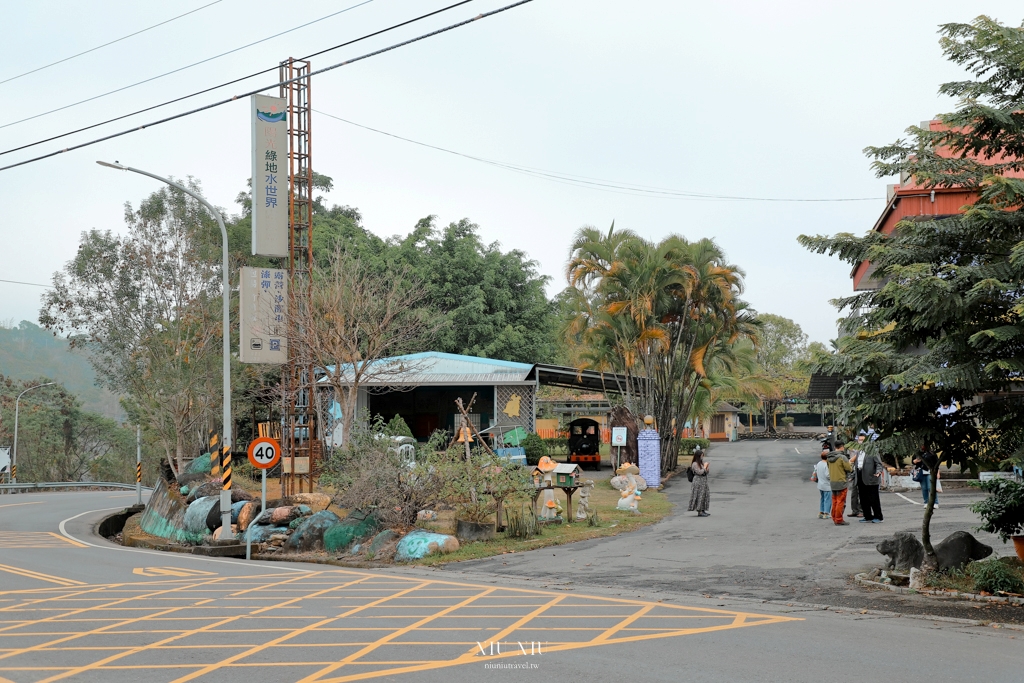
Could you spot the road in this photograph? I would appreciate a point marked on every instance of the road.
(75, 607)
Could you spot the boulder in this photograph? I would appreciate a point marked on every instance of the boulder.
(282, 515)
(247, 513)
(315, 501)
(959, 548)
(207, 488)
(236, 509)
(357, 524)
(200, 465)
(191, 478)
(238, 494)
(904, 551)
(420, 543)
(382, 539)
(262, 534)
(309, 534)
(198, 513)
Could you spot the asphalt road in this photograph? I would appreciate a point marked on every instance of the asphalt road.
(75, 607)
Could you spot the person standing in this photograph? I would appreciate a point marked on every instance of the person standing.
(853, 493)
(838, 469)
(700, 494)
(824, 485)
(925, 460)
(869, 478)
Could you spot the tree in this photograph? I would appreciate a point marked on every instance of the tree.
(658, 314)
(946, 326)
(781, 346)
(352, 321)
(145, 308)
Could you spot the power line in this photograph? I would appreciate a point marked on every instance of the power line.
(595, 183)
(34, 284)
(237, 80)
(185, 68)
(272, 85)
(98, 47)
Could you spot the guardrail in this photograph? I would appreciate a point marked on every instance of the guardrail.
(69, 485)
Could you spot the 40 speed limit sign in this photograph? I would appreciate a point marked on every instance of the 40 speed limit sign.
(264, 452)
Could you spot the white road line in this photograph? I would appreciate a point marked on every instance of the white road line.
(907, 499)
(64, 532)
(797, 450)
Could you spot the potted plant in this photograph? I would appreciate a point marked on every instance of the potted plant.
(787, 422)
(1002, 513)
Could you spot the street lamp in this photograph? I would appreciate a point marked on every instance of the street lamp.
(225, 494)
(14, 459)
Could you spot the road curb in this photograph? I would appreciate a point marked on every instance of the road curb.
(864, 581)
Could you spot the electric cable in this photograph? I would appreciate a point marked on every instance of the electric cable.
(231, 82)
(595, 183)
(185, 68)
(234, 98)
(98, 47)
(34, 284)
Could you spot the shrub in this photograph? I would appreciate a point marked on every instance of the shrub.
(686, 446)
(557, 446)
(397, 427)
(1002, 512)
(995, 576)
(535, 448)
(788, 421)
(521, 523)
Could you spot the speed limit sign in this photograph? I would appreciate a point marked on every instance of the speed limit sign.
(264, 452)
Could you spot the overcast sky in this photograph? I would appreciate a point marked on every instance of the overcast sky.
(758, 99)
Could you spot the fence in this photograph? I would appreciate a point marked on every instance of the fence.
(606, 434)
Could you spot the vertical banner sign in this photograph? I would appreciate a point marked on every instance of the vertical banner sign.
(269, 176)
(263, 293)
(649, 453)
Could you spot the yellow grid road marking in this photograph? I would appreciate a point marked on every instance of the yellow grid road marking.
(28, 573)
(396, 625)
(170, 571)
(35, 540)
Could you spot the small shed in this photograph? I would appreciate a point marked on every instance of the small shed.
(724, 423)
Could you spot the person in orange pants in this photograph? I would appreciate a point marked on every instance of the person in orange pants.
(838, 468)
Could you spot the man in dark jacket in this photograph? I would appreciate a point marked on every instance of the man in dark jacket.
(869, 478)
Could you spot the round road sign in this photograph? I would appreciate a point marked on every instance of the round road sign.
(264, 452)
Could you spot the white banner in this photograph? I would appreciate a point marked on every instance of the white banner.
(269, 175)
(5, 459)
(263, 297)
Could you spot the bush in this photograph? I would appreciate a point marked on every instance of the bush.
(522, 523)
(686, 446)
(995, 576)
(535, 448)
(1002, 512)
(787, 421)
(397, 427)
(557, 446)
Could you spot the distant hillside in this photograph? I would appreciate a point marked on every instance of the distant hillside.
(30, 352)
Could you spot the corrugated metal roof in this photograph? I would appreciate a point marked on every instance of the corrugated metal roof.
(433, 367)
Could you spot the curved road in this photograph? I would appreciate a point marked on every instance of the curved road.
(75, 607)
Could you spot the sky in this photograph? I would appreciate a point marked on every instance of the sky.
(740, 98)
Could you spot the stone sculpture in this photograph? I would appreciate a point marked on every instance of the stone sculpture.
(959, 548)
(904, 551)
(630, 484)
(583, 504)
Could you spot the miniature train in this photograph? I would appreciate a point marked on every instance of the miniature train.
(585, 443)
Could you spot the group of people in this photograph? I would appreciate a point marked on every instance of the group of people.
(854, 476)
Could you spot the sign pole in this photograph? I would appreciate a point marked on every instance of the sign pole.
(263, 489)
(138, 465)
(263, 453)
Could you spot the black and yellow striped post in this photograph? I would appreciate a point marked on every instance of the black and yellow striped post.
(138, 473)
(225, 456)
(214, 454)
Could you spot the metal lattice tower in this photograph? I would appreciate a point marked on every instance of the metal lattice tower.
(300, 428)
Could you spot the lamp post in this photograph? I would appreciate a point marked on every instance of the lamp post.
(17, 405)
(225, 494)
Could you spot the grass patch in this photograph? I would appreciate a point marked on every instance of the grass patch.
(1004, 574)
(610, 521)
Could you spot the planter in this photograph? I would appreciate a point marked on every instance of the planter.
(474, 531)
(1018, 545)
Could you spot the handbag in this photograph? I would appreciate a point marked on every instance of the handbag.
(689, 473)
(918, 475)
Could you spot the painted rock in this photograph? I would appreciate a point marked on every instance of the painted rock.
(315, 501)
(309, 534)
(420, 543)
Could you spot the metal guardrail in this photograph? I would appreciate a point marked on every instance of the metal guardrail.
(69, 485)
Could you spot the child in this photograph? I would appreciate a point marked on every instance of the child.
(820, 475)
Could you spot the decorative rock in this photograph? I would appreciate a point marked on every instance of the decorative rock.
(206, 488)
(236, 508)
(198, 513)
(426, 516)
(247, 513)
(315, 501)
(420, 543)
(904, 551)
(959, 548)
(200, 464)
(356, 525)
(283, 515)
(356, 548)
(309, 534)
(184, 490)
(238, 495)
(262, 534)
(382, 539)
(916, 579)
